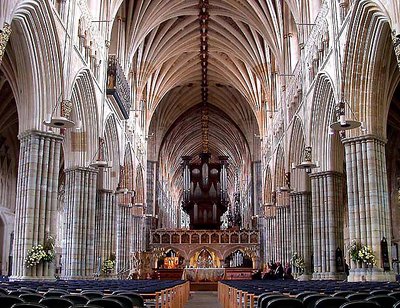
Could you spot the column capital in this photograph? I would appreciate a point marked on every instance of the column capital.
(105, 191)
(300, 193)
(33, 132)
(325, 174)
(368, 137)
(81, 169)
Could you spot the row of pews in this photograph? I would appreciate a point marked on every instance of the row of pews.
(316, 294)
(150, 293)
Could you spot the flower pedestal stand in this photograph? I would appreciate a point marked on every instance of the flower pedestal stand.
(368, 273)
(305, 277)
(42, 271)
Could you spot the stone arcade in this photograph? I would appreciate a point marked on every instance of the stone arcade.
(296, 105)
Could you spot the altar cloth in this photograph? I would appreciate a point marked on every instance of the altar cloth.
(203, 274)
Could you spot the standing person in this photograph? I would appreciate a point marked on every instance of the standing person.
(279, 270)
(346, 268)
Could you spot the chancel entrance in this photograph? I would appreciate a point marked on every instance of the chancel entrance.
(206, 253)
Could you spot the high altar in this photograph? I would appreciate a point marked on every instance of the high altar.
(206, 255)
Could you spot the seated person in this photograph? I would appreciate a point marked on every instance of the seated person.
(269, 273)
(256, 275)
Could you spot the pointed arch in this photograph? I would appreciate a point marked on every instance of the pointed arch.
(279, 179)
(32, 62)
(139, 186)
(369, 62)
(128, 173)
(298, 179)
(82, 145)
(267, 186)
(330, 154)
(111, 153)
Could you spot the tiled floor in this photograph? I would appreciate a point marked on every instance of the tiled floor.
(203, 299)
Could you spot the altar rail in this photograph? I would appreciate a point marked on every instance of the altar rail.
(162, 236)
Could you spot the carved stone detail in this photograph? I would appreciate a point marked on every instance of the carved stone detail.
(4, 38)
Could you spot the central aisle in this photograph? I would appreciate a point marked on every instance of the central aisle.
(202, 299)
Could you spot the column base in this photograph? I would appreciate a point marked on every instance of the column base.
(328, 276)
(80, 277)
(371, 274)
(32, 278)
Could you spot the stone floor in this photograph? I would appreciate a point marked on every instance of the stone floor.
(203, 299)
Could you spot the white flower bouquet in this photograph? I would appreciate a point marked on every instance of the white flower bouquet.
(108, 266)
(35, 255)
(298, 262)
(361, 253)
(41, 253)
(366, 255)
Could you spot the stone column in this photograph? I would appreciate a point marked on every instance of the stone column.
(106, 227)
(150, 223)
(257, 187)
(80, 205)
(36, 201)
(369, 213)
(301, 229)
(270, 250)
(282, 239)
(124, 231)
(328, 221)
(138, 225)
(151, 200)
(263, 240)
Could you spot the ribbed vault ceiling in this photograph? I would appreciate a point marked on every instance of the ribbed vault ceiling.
(184, 138)
(162, 52)
(162, 47)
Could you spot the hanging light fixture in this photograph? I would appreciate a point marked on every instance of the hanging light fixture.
(343, 123)
(62, 121)
(286, 187)
(307, 164)
(99, 162)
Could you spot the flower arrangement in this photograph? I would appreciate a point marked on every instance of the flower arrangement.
(353, 250)
(298, 262)
(367, 255)
(361, 253)
(109, 264)
(41, 253)
(35, 256)
(49, 249)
